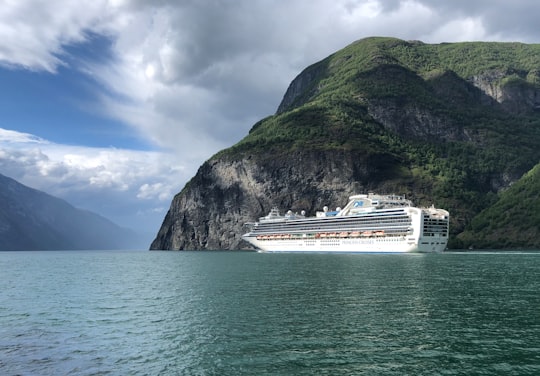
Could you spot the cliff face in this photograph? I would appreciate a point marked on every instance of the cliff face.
(515, 91)
(302, 88)
(225, 194)
(381, 115)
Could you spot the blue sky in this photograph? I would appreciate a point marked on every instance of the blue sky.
(113, 105)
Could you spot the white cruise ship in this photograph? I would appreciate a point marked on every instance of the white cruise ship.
(368, 223)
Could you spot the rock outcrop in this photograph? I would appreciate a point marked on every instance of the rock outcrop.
(517, 92)
(211, 211)
(304, 87)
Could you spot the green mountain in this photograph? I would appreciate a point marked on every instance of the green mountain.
(513, 221)
(455, 125)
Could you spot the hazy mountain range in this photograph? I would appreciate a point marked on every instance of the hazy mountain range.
(33, 220)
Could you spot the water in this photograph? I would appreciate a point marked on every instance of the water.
(234, 313)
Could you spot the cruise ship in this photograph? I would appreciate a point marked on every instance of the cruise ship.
(368, 223)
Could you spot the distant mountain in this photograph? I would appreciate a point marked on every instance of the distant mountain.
(33, 220)
(456, 125)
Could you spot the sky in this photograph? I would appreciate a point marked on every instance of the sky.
(113, 105)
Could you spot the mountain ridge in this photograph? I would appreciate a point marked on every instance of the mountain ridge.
(34, 220)
(452, 124)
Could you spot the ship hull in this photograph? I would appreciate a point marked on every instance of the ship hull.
(371, 245)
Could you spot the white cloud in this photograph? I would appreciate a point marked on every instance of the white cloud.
(155, 191)
(14, 137)
(94, 178)
(471, 29)
(33, 33)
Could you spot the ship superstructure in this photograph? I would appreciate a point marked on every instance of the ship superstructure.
(368, 223)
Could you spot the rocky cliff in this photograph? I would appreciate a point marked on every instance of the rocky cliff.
(443, 124)
(226, 193)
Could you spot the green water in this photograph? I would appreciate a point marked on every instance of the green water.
(234, 313)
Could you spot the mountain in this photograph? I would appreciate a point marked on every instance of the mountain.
(454, 124)
(514, 220)
(33, 220)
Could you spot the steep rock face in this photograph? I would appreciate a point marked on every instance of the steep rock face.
(490, 84)
(303, 87)
(211, 211)
(514, 91)
(415, 122)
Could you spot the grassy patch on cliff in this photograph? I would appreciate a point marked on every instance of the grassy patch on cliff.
(320, 125)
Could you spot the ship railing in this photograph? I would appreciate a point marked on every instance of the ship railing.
(332, 235)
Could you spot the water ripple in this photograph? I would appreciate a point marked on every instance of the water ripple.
(99, 313)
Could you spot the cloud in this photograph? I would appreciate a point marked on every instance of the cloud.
(34, 33)
(156, 190)
(98, 179)
(13, 137)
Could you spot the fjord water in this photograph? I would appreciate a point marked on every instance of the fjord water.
(236, 313)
